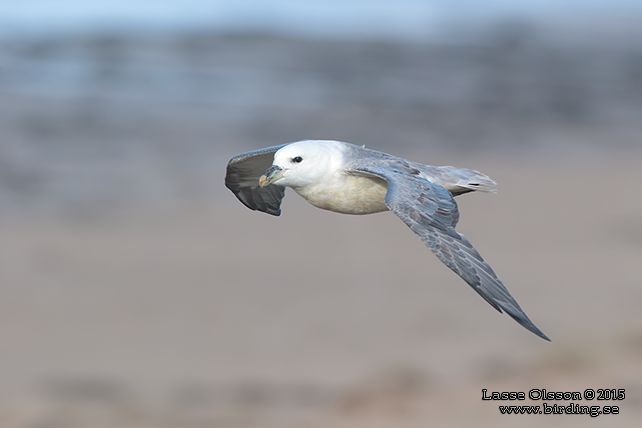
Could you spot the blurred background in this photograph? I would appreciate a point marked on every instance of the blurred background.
(136, 291)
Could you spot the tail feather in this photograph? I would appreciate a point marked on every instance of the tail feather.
(463, 180)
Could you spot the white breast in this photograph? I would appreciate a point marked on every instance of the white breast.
(347, 194)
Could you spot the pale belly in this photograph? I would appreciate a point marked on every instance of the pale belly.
(349, 195)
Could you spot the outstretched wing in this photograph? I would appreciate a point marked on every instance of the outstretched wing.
(242, 178)
(431, 212)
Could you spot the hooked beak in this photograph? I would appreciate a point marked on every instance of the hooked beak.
(272, 174)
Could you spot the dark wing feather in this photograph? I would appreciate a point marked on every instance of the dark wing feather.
(242, 178)
(431, 212)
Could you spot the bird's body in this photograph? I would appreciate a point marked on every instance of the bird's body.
(351, 179)
(347, 194)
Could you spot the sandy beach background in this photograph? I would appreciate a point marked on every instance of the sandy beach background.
(136, 291)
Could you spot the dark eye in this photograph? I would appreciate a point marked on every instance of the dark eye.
(297, 159)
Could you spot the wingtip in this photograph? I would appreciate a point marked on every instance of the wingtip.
(542, 335)
(535, 330)
(522, 319)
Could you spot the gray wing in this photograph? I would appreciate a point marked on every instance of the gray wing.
(431, 212)
(242, 178)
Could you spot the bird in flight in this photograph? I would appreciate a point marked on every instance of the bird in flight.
(351, 179)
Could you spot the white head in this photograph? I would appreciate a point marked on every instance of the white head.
(304, 162)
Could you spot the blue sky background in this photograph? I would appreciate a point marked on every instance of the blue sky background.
(401, 17)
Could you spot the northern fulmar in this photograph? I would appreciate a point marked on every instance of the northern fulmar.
(351, 179)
